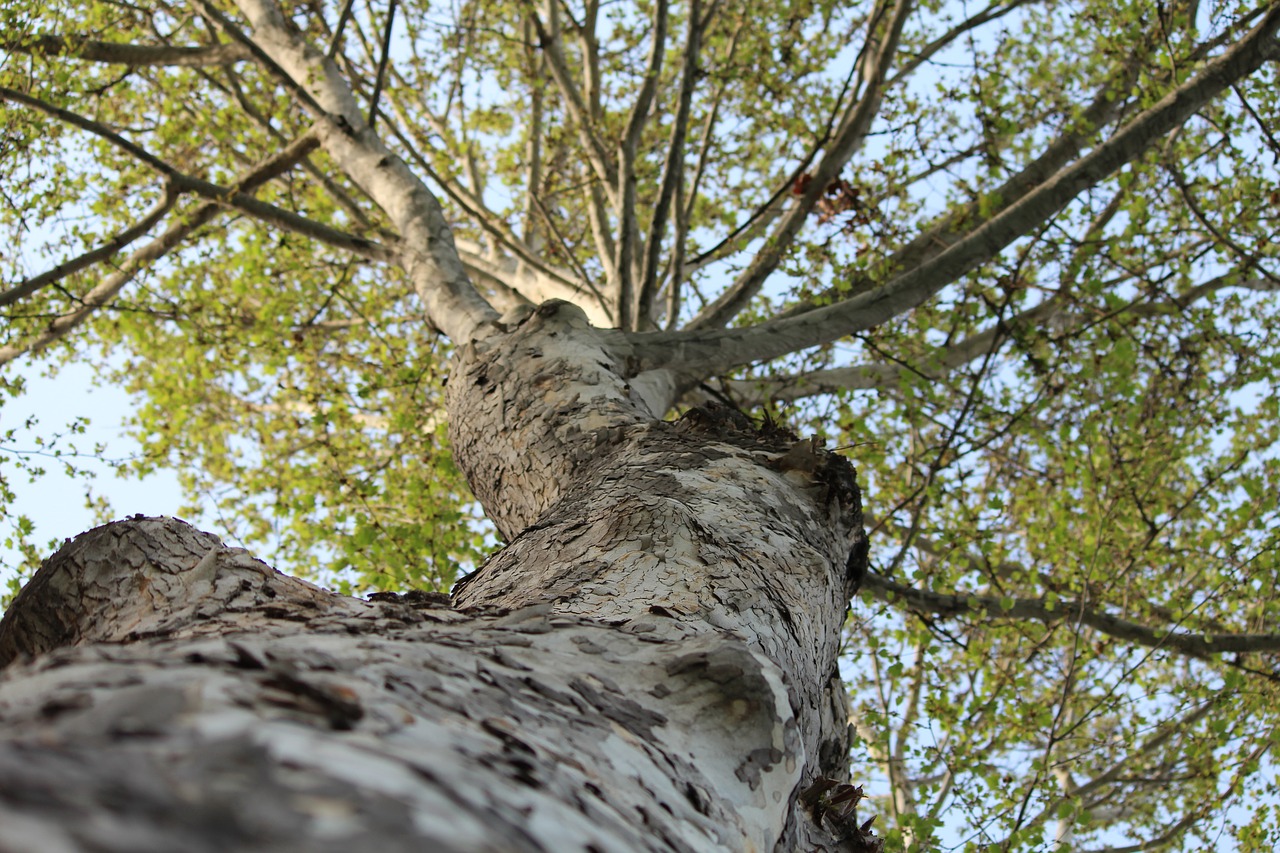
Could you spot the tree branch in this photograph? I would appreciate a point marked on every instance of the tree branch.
(628, 247)
(552, 47)
(886, 376)
(184, 183)
(600, 194)
(1117, 771)
(1108, 103)
(1201, 646)
(848, 139)
(135, 55)
(534, 68)
(427, 251)
(542, 273)
(672, 171)
(705, 143)
(993, 12)
(172, 237)
(382, 63)
(321, 176)
(112, 246)
(702, 352)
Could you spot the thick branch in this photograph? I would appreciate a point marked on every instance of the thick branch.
(479, 213)
(1108, 103)
(946, 359)
(534, 283)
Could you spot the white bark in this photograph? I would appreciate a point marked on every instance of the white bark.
(650, 664)
(532, 284)
(427, 253)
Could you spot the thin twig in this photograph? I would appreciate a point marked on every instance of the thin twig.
(382, 63)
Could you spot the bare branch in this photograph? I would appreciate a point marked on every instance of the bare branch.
(531, 283)
(758, 219)
(533, 147)
(582, 273)
(321, 176)
(653, 70)
(496, 228)
(282, 76)
(600, 194)
(675, 276)
(343, 17)
(880, 50)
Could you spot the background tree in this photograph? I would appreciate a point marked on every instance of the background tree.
(1015, 262)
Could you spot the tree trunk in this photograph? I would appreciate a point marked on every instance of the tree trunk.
(649, 664)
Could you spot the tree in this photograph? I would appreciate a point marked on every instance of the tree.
(1017, 265)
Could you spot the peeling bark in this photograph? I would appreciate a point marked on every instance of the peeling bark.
(649, 664)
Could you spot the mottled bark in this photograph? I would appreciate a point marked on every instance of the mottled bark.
(649, 664)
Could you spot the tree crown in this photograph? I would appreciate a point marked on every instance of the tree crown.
(1019, 260)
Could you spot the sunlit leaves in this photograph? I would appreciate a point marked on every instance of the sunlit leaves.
(1087, 421)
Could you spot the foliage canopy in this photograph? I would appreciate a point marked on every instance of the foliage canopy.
(1020, 259)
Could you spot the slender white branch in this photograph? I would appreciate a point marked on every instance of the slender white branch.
(427, 250)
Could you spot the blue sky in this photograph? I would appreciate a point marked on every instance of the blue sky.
(56, 501)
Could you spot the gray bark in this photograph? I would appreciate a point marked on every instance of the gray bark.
(649, 664)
